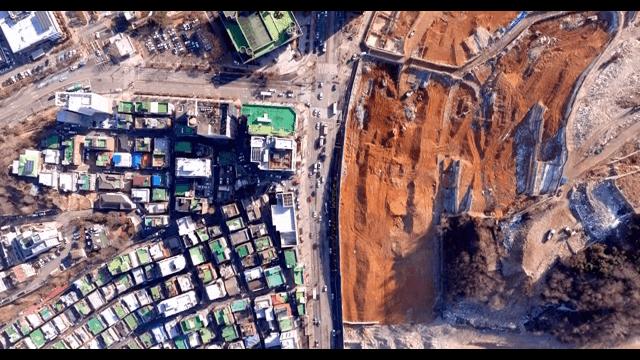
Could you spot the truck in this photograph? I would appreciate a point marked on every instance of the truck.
(334, 108)
(315, 294)
(73, 88)
(266, 93)
(325, 129)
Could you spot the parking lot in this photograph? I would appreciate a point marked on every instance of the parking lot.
(190, 42)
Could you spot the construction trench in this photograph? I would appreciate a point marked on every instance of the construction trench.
(426, 153)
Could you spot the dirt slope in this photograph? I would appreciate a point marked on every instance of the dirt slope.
(391, 197)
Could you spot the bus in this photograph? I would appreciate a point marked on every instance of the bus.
(73, 88)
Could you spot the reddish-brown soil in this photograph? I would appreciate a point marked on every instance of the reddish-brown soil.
(445, 34)
(389, 196)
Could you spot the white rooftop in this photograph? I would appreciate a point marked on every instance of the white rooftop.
(216, 290)
(172, 265)
(178, 304)
(30, 29)
(193, 167)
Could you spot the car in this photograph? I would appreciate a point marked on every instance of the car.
(307, 104)
(314, 215)
(317, 126)
(320, 85)
(63, 78)
(334, 87)
(320, 96)
(317, 184)
(98, 53)
(324, 288)
(322, 179)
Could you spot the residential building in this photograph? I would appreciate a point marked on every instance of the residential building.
(122, 160)
(239, 237)
(230, 210)
(109, 182)
(216, 290)
(218, 120)
(255, 33)
(172, 265)
(284, 220)
(115, 201)
(273, 154)
(83, 103)
(193, 167)
(140, 195)
(178, 304)
(24, 30)
(121, 46)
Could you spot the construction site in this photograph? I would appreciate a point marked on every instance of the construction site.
(464, 187)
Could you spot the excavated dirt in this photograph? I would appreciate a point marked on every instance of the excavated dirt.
(392, 196)
(442, 40)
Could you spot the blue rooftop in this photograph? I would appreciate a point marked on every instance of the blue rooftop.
(116, 159)
(136, 160)
(156, 180)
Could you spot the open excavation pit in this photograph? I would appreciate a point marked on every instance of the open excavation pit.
(457, 154)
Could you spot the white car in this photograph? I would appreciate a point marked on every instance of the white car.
(315, 214)
(317, 126)
(320, 96)
(63, 78)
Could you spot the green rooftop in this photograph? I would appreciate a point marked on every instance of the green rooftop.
(159, 194)
(119, 264)
(120, 311)
(182, 189)
(106, 337)
(82, 308)
(190, 324)
(156, 293)
(222, 316)
(181, 343)
(206, 335)
(183, 146)
(53, 141)
(85, 286)
(202, 234)
(29, 164)
(285, 324)
(60, 345)
(59, 306)
(131, 322)
(279, 121)
(196, 255)
(239, 305)
(274, 277)
(125, 107)
(143, 106)
(163, 108)
(38, 338)
(84, 181)
(46, 314)
(262, 243)
(255, 33)
(229, 333)
(12, 334)
(102, 160)
(235, 224)
(146, 339)
(290, 258)
(146, 313)
(298, 275)
(133, 345)
(243, 250)
(217, 250)
(208, 276)
(95, 325)
(143, 256)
